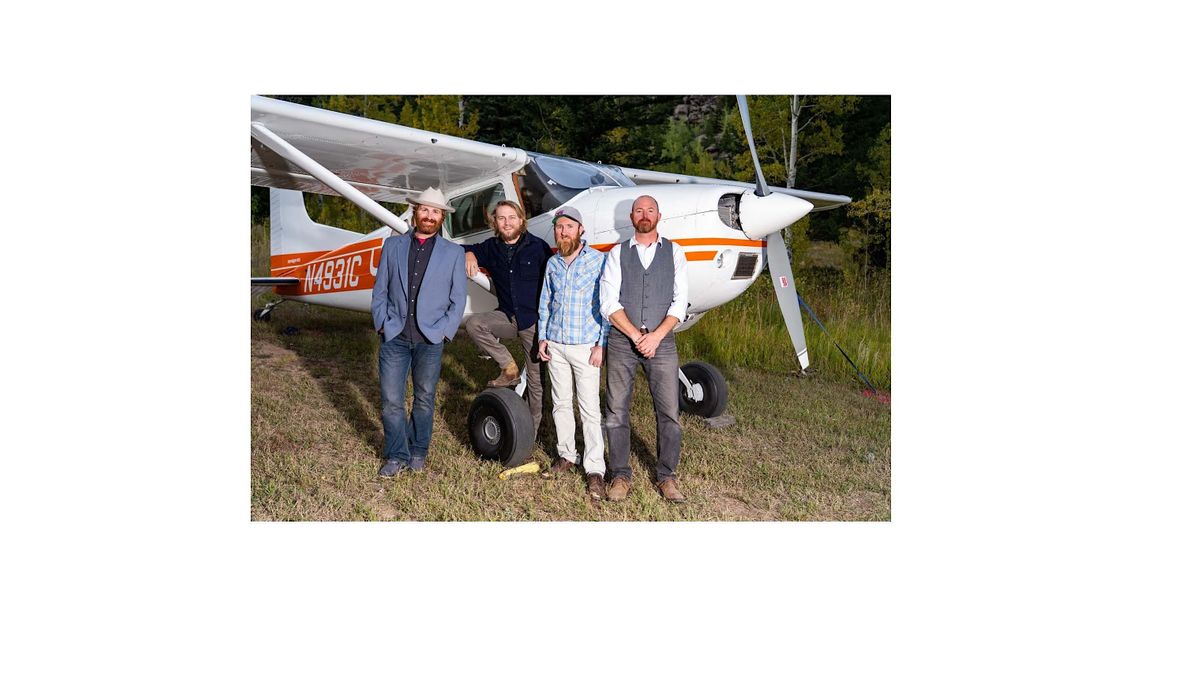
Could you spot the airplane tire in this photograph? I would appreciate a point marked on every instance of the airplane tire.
(716, 391)
(261, 314)
(501, 427)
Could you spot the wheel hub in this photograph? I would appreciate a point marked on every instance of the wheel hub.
(491, 429)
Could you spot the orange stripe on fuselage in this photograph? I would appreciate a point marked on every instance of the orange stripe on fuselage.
(343, 269)
(288, 261)
(706, 241)
(355, 247)
(720, 242)
(333, 280)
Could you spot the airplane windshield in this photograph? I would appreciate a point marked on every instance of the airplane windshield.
(549, 181)
(577, 175)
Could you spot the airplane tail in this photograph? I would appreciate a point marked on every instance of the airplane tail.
(317, 263)
(295, 237)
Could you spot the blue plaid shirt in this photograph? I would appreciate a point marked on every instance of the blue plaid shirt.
(569, 309)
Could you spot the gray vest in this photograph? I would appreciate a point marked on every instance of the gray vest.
(646, 293)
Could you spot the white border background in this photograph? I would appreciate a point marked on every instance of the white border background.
(1043, 239)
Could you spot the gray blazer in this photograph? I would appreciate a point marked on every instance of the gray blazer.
(443, 291)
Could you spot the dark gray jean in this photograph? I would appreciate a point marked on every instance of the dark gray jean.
(662, 372)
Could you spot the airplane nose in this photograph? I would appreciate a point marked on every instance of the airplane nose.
(761, 216)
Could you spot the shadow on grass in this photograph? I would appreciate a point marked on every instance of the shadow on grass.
(464, 375)
(340, 351)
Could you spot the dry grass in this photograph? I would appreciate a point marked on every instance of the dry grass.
(802, 449)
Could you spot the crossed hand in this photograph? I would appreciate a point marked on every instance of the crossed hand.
(647, 343)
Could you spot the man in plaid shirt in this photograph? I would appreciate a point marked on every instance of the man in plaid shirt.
(573, 334)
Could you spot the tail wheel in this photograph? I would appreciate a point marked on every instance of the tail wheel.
(262, 314)
(501, 427)
(715, 393)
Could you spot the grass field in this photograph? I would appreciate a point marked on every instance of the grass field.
(749, 331)
(803, 448)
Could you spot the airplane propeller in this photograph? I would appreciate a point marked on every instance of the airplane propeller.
(780, 268)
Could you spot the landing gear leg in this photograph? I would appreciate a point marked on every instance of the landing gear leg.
(264, 313)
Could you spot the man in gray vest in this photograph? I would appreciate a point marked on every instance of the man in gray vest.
(643, 292)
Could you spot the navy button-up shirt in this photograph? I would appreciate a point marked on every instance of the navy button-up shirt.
(518, 282)
(418, 261)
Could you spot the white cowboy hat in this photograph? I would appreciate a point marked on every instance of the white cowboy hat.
(432, 197)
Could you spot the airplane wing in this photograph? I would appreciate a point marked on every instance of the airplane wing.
(820, 200)
(387, 162)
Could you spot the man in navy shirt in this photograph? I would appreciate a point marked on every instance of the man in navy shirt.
(516, 261)
(415, 320)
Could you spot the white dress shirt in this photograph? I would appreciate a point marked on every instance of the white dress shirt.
(610, 281)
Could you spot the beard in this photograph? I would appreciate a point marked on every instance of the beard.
(644, 225)
(510, 236)
(427, 227)
(568, 246)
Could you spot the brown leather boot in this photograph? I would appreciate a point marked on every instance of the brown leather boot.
(562, 465)
(595, 486)
(618, 489)
(508, 377)
(669, 489)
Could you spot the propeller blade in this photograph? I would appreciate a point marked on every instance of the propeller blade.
(785, 291)
(762, 190)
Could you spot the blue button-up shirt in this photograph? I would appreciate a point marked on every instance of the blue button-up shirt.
(569, 308)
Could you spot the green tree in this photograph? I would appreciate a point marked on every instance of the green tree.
(682, 152)
(382, 108)
(790, 133)
(867, 242)
(441, 115)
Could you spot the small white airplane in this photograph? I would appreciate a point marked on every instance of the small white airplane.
(724, 227)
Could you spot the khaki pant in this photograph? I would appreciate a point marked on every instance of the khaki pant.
(569, 369)
(487, 330)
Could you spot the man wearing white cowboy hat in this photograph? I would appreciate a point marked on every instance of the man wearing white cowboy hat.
(417, 304)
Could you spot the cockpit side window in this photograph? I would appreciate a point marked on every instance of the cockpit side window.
(471, 211)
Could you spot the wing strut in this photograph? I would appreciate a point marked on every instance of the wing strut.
(293, 155)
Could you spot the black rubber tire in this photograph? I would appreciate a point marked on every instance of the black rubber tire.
(716, 391)
(259, 315)
(501, 427)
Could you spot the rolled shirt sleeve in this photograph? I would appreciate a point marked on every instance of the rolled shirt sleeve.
(679, 296)
(610, 282)
(544, 305)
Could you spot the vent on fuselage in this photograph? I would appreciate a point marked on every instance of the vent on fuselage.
(745, 265)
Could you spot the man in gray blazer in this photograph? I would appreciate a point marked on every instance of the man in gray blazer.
(418, 302)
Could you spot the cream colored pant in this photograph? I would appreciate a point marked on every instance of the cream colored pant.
(570, 370)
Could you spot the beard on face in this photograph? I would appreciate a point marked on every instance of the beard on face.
(568, 246)
(509, 234)
(427, 226)
(644, 225)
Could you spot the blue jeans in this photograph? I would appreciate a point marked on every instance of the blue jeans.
(408, 439)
